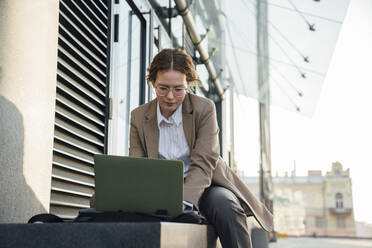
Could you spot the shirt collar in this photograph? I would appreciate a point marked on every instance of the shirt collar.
(176, 117)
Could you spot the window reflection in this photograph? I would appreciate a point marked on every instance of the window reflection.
(125, 77)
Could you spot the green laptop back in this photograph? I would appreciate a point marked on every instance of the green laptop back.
(138, 184)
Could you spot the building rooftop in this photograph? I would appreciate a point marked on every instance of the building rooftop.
(313, 176)
(318, 179)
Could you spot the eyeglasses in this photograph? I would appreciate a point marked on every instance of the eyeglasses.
(164, 91)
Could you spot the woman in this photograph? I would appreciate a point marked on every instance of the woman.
(183, 126)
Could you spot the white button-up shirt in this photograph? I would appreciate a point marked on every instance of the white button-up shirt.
(172, 140)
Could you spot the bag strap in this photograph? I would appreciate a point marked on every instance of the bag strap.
(45, 218)
(192, 217)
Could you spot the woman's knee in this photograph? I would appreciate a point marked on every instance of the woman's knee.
(221, 201)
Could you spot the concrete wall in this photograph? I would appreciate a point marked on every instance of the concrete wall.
(363, 230)
(28, 55)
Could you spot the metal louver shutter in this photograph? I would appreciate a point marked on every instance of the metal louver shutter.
(80, 116)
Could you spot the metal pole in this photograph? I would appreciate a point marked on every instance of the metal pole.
(129, 76)
(264, 103)
(232, 131)
(151, 50)
(159, 38)
(170, 19)
(197, 41)
(142, 71)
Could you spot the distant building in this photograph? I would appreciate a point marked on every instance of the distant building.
(313, 204)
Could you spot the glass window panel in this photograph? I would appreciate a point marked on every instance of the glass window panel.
(125, 77)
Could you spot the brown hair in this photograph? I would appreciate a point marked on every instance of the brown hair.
(173, 59)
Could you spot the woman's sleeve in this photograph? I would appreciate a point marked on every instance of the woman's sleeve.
(204, 154)
(135, 146)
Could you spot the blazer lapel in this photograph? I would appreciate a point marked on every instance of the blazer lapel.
(187, 121)
(151, 131)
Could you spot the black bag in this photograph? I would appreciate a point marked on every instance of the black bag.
(91, 215)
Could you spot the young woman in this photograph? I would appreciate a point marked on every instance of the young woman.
(183, 126)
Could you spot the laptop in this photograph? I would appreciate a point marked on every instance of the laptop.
(143, 185)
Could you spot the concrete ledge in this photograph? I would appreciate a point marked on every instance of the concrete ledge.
(114, 235)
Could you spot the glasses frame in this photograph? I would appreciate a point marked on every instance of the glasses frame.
(171, 89)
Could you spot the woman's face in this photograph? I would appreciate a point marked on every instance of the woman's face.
(170, 87)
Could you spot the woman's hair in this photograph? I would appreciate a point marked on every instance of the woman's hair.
(173, 59)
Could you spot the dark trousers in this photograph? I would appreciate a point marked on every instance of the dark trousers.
(224, 211)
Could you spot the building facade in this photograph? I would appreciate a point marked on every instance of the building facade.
(71, 72)
(313, 205)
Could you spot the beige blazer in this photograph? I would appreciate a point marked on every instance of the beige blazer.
(206, 167)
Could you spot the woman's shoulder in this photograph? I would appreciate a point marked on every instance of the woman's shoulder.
(198, 101)
(201, 104)
(144, 108)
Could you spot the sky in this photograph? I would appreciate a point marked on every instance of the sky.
(341, 127)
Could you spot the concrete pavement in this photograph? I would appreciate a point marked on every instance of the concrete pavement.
(321, 243)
